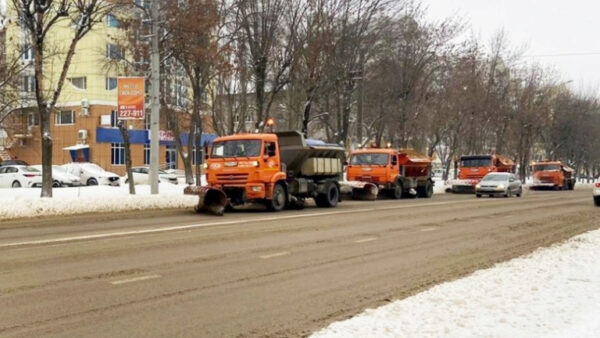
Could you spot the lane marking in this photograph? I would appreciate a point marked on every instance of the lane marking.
(364, 240)
(236, 222)
(428, 229)
(136, 279)
(278, 254)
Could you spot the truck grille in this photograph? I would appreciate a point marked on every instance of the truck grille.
(232, 178)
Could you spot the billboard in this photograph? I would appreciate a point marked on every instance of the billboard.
(131, 97)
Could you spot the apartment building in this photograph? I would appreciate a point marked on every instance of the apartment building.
(84, 125)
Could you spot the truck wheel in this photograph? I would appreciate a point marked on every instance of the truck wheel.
(330, 198)
(426, 191)
(398, 191)
(277, 203)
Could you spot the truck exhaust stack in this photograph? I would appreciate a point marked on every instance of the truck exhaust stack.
(210, 200)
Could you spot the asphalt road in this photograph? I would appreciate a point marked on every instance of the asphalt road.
(249, 273)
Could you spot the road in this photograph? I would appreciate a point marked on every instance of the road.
(175, 273)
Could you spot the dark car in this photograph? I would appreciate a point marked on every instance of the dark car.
(13, 162)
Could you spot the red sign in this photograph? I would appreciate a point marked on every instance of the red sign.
(131, 97)
(165, 136)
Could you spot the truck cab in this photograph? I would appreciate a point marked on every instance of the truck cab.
(245, 166)
(552, 174)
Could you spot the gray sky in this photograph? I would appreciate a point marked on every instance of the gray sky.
(546, 27)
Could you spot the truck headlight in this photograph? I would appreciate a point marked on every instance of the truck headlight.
(205, 165)
(477, 186)
(256, 189)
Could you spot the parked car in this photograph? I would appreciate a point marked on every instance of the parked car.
(92, 174)
(499, 184)
(60, 177)
(141, 175)
(13, 162)
(18, 176)
(597, 193)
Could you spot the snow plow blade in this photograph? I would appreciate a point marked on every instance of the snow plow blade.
(357, 190)
(210, 200)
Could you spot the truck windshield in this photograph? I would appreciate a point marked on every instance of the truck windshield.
(236, 148)
(476, 162)
(376, 159)
(545, 167)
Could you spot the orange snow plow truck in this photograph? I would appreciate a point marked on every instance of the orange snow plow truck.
(552, 174)
(399, 173)
(472, 168)
(278, 170)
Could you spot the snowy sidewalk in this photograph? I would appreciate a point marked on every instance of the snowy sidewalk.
(22, 203)
(553, 292)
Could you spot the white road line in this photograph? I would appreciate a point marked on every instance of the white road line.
(203, 225)
(427, 229)
(364, 240)
(136, 279)
(278, 254)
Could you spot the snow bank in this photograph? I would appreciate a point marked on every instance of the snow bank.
(553, 292)
(21, 203)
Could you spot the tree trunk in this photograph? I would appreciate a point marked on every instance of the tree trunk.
(127, 144)
(46, 151)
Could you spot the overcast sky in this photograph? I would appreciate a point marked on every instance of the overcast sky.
(547, 27)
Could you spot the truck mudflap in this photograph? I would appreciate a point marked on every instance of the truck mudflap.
(210, 200)
(359, 190)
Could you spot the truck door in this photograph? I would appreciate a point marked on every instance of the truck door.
(271, 163)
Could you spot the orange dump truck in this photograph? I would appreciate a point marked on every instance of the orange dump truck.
(472, 168)
(552, 174)
(399, 173)
(279, 170)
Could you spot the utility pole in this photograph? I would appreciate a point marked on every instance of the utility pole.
(155, 103)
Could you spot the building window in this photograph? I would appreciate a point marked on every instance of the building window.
(27, 53)
(78, 82)
(28, 82)
(114, 52)
(65, 117)
(33, 119)
(113, 119)
(111, 83)
(112, 21)
(147, 153)
(117, 154)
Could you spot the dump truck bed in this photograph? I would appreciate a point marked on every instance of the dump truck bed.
(308, 160)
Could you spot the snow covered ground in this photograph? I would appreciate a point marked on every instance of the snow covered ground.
(553, 292)
(21, 203)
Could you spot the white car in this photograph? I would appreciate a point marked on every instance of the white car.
(141, 175)
(18, 176)
(597, 193)
(92, 174)
(60, 177)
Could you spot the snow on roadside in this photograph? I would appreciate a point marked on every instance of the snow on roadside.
(23, 203)
(553, 292)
